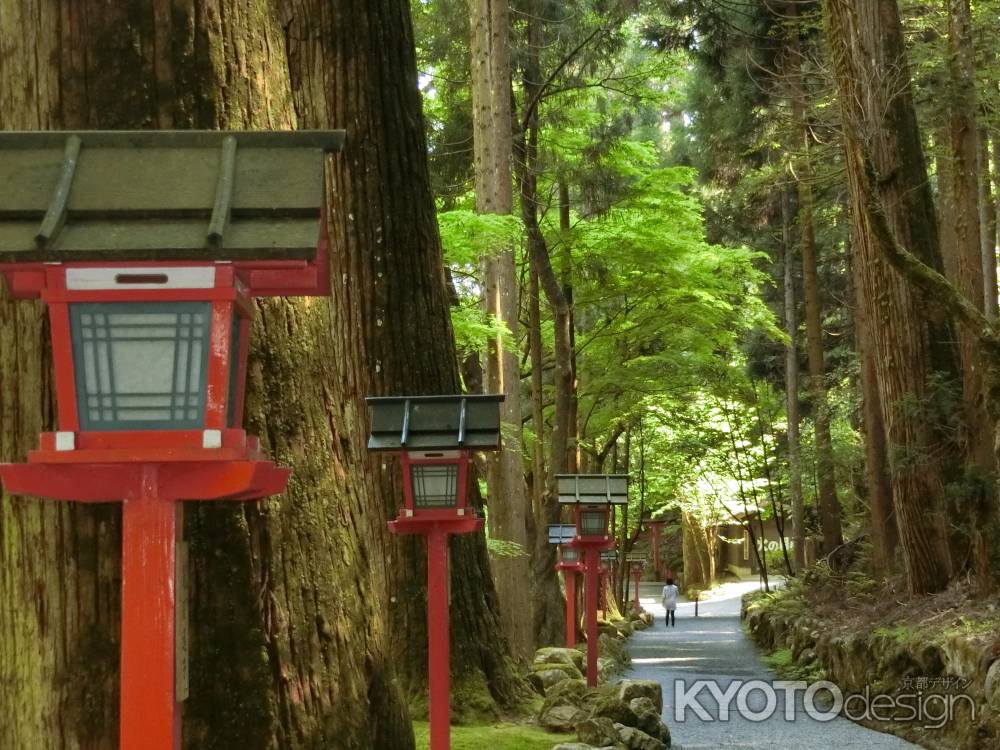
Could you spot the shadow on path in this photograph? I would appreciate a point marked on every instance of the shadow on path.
(713, 647)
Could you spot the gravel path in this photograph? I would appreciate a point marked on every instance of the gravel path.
(714, 647)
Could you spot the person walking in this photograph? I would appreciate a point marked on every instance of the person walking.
(670, 592)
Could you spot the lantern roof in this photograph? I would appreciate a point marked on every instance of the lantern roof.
(635, 557)
(609, 555)
(161, 195)
(562, 533)
(593, 489)
(420, 423)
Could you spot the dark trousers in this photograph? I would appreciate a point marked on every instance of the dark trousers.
(671, 620)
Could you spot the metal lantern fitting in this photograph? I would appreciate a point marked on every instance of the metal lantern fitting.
(435, 437)
(147, 248)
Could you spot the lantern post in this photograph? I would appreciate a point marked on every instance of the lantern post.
(570, 564)
(435, 437)
(637, 563)
(148, 248)
(591, 496)
(609, 559)
(655, 527)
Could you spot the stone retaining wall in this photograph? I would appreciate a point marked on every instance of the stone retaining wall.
(893, 661)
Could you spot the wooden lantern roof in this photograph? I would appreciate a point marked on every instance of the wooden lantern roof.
(561, 533)
(609, 555)
(593, 489)
(161, 195)
(421, 423)
(635, 557)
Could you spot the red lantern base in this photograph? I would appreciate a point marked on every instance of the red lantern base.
(150, 492)
(437, 529)
(592, 567)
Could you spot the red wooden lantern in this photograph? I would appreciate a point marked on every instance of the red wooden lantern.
(435, 437)
(570, 562)
(655, 527)
(591, 496)
(148, 248)
(637, 564)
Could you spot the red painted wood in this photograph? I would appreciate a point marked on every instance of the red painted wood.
(220, 338)
(261, 278)
(657, 527)
(64, 369)
(593, 562)
(138, 295)
(438, 656)
(150, 715)
(241, 379)
(570, 607)
(163, 440)
(108, 482)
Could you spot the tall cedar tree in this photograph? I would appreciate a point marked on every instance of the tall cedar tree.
(289, 597)
(829, 503)
(549, 613)
(509, 506)
(880, 132)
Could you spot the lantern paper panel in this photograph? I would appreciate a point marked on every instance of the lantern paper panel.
(140, 365)
(435, 485)
(593, 522)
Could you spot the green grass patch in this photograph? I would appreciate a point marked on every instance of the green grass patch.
(780, 659)
(899, 633)
(782, 662)
(967, 626)
(494, 737)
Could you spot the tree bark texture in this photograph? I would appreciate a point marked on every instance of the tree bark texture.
(987, 226)
(281, 639)
(549, 619)
(827, 500)
(287, 621)
(509, 507)
(965, 244)
(884, 534)
(866, 46)
(792, 390)
(389, 271)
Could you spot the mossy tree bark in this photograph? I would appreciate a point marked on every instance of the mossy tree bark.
(962, 241)
(828, 502)
(353, 66)
(866, 44)
(549, 616)
(289, 643)
(792, 386)
(509, 507)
